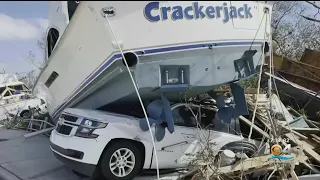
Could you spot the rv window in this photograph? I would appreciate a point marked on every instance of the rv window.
(52, 77)
(52, 38)
(72, 6)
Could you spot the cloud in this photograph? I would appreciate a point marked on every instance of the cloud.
(21, 29)
(43, 23)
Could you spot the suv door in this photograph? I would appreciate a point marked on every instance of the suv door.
(176, 149)
(221, 133)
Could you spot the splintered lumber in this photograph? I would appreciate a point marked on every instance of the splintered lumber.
(306, 147)
(261, 162)
(254, 127)
(294, 132)
(252, 165)
(298, 136)
(307, 130)
(315, 138)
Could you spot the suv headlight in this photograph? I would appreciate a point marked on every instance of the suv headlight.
(87, 127)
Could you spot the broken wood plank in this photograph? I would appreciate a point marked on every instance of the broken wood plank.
(296, 133)
(254, 127)
(306, 147)
(307, 130)
(264, 121)
(258, 162)
(38, 132)
(251, 165)
(315, 136)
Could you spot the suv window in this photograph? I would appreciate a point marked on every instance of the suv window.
(182, 116)
(207, 118)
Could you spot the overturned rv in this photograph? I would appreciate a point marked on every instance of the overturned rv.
(173, 53)
(175, 50)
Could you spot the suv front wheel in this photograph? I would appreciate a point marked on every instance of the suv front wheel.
(121, 161)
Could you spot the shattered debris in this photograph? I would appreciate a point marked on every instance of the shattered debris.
(298, 135)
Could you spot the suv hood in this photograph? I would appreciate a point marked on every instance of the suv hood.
(102, 116)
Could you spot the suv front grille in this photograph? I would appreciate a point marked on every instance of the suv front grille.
(69, 117)
(63, 129)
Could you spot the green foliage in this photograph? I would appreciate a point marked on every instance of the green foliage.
(250, 83)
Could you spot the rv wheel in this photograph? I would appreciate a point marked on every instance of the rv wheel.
(121, 161)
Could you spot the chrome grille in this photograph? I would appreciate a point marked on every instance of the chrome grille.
(69, 117)
(63, 129)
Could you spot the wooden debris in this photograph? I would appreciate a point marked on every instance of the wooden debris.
(254, 127)
(306, 147)
(307, 130)
(297, 136)
(261, 162)
(315, 138)
(251, 165)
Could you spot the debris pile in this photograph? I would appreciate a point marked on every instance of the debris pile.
(291, 145)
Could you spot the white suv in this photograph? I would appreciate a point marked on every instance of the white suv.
(91, 141)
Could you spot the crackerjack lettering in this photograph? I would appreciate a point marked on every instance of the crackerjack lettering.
(154, 13)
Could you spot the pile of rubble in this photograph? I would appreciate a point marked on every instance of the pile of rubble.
(279, 126)
(291, 126)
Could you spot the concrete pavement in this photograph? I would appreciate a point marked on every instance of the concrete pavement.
(32, 159)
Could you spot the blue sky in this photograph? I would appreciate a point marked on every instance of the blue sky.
(21, 24)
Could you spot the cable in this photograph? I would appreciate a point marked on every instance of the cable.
(138, 94)
(259, 81)
(276, 89)
(255, 36)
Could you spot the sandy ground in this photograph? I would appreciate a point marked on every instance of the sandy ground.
(32, 159)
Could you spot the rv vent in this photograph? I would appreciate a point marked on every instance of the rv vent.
(52, 77)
